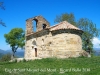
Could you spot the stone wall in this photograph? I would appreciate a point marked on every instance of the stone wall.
(66, 45)
(41, 40)
(54, 44)
(40, 21)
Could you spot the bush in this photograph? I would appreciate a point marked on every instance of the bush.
(6, 57)
(24, 60)
(15, 60)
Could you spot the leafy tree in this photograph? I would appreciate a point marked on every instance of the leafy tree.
(2, 7)
(66, 17)
(16, 39)
(84, 24)
(90, 31)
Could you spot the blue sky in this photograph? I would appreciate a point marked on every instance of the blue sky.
(17, 11)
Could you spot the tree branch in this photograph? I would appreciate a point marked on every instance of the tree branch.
(1, 5)
(2, 23)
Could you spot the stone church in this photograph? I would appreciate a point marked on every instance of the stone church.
(62, 40)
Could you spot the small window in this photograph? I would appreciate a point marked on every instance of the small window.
(44, 26)
(34, 42)
(42, 41)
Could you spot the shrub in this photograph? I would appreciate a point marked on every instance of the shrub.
(15, 60)
(24, 60)
(6, 57)
(81, 56)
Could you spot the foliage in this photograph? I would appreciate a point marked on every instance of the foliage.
(78, 66)
(66, 17)
(2, 7)
(24, 60)
(84, 24)
(15, 60)
(90, 31)
(16, 39)
(6, 57)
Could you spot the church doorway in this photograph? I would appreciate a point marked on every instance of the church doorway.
(35, 52)
(35, 48)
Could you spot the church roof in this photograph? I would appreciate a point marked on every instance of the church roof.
(63, 25)
(59, 26)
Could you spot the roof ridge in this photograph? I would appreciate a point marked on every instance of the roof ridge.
(64, 25)
(57, 24)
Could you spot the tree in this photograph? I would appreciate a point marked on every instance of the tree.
(66, 17)
(2, 7)
(84, 24)
(16, 39)
(90, 31)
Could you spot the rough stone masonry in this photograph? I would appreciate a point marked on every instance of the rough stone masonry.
(61, 40)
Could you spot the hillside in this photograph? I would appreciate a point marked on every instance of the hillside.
(53, 66)
(19, 53)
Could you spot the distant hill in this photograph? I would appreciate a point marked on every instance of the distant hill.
(1, 55)
(97, 51)
(19, 53)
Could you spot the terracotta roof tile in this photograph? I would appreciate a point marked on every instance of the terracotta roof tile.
(63, 25)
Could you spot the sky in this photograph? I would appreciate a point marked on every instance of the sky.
(17, 11)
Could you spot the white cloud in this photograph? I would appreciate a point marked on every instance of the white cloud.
(96, 42)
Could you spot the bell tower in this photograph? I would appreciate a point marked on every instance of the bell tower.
(41, 23)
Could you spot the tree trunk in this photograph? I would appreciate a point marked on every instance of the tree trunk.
(13, 53)
(12, 57)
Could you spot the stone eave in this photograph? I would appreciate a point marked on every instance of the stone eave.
(67, 29)
(37, 32)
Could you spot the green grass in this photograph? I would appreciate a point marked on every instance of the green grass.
(53, 66)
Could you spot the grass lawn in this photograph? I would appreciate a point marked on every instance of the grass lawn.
(53, 66)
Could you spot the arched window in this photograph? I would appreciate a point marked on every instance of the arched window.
(34, 22)
(44, 26)
(34, 42)
(34, 47)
